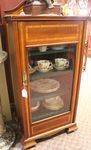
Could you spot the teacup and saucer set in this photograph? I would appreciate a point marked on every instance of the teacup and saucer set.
(44, 65)
(61, 63)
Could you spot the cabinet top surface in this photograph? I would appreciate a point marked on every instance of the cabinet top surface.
(46, 17)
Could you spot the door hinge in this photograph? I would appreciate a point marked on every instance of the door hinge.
(24, 79)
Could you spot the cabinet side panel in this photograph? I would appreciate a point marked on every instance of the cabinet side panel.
(76, 73)
(15, 67)
(81, 48)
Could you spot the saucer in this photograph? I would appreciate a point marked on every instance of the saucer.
(61, 67)
(43, 70)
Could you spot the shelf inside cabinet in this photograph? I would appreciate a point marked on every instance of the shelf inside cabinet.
(44, 113)
(51, 73)
(49, 51)
(65, 80)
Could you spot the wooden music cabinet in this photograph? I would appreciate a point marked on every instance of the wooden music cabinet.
(46, 54)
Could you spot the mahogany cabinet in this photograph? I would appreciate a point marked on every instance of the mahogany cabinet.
(46, 55)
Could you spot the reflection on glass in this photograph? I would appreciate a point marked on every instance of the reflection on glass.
(51, 71)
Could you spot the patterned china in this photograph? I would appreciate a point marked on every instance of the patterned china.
(44, 65)
(61, 63)
(32, 69)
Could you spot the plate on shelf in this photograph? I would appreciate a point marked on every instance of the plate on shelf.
(35, 105)
(54, 103)
(58, 47)
(45, 85)
(32, 69)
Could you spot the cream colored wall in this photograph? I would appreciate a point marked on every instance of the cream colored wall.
(3, 91)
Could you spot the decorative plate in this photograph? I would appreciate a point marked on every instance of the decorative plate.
(35, 105)
(58, 47)
(32, 69)
(45, 85)
(54, 103)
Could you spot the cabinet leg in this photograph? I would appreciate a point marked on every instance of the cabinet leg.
(29, 144)
(72, 128)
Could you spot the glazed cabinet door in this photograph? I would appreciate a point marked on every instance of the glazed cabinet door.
(51, 61)
(51, 70)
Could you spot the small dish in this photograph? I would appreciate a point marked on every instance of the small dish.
(61, 67)
(35, 106)
(43, 70)
(3, 56)
(32, 69)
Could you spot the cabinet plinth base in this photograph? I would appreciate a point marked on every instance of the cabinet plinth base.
(29, 144)
(72, 128)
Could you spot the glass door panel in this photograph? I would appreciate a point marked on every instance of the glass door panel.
(51, 71)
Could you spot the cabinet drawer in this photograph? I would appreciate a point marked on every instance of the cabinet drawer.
(49, 32)
(50, 124)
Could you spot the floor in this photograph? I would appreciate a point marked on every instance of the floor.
(80, 139)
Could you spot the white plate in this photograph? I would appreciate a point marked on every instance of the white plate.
(58, 47)
(45, 85)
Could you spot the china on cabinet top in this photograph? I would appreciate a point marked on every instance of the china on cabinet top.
(18, 14)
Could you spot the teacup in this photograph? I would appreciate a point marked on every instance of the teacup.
(44, 65)
(61, 62)
(42, 48)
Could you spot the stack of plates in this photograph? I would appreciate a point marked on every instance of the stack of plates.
(54, 103)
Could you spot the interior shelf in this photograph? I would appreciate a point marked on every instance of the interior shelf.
(43, 112)
(51, 73)
(49, 51)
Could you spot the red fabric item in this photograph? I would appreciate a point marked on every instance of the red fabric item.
(8, 4)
